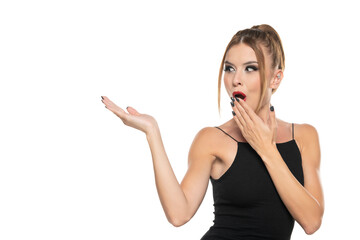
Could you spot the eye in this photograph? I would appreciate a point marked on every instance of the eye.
(251, 68)
(228, 68)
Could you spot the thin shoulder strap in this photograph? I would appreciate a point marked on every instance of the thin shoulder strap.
(292, 130)
(227, 134)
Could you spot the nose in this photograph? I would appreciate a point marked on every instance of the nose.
(237, 80)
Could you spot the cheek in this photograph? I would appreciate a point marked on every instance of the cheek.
(254, 88)
(254, 85)
(227, 83)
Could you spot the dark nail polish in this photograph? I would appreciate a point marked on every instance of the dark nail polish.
(237, 99)
(233, 113)
(232, 99)
(232, 104)
(272, 108)
(102, 97)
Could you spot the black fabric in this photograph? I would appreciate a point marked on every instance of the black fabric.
(246, 202)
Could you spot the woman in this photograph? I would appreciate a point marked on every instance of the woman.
(264, 171)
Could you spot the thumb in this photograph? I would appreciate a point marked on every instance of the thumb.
(132, 111)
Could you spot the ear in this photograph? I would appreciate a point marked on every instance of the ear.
(276, 79)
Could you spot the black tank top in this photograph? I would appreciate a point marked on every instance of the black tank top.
(246, 202)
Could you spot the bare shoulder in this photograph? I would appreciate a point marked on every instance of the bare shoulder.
(308, 137)
(306, 129)
(206, 141)
(306, 132)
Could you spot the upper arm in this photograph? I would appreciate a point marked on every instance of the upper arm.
(310, 154)
(196, 179)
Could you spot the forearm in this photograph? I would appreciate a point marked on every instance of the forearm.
(171, 195)
(304, 208)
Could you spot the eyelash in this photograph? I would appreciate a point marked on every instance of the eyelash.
(227, 68)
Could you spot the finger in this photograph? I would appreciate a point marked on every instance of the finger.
(133, 111)
(241, 126)
(250, 113)
(114, 108)
(243, 113)
(110, 105)
(238, 118)
(236, 113)
(118, 111)
(105, 100)
(108, 102)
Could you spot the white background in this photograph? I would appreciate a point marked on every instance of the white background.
(70, 169)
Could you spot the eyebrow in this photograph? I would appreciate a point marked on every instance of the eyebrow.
(243, 64)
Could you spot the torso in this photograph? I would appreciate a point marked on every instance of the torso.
(226, 147)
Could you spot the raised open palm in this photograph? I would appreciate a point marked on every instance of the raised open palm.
(142, 122)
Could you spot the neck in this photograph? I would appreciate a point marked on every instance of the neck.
(264, 113)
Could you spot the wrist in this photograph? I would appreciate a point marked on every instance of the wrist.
(152, 132)
(269, 152)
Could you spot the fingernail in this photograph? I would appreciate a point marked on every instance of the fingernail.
(237, 99)
(102, 97)
(272, 108)
(233, 113)
(232, 104)
(232, 99)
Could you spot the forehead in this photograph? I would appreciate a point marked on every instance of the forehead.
(241, 53)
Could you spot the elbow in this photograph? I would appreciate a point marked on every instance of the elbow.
(313, 224)
(311, 230)
(313, 227)
(178, 222)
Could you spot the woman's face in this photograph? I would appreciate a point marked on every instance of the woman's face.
(242, 74)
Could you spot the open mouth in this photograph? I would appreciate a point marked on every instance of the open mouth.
(239, 95)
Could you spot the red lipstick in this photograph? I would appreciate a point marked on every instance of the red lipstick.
(239, 94)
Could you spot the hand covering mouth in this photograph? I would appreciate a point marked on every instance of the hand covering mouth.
(239, 94)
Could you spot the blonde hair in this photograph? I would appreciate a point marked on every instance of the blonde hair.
(259, 35)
